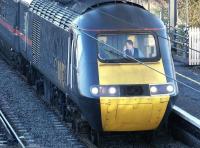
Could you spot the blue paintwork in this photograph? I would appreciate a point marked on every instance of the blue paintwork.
(54, 24)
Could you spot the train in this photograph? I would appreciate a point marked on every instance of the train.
(74, 52)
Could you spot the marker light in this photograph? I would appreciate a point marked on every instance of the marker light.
(112, 90)
(170, 88)
(153, 89)
(95, 90)
(162, 89)
(105, 91)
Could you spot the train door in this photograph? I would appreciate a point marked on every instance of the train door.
(26, 28)
(72, 63)
(25, 42)
(69, 59)
(17, 39)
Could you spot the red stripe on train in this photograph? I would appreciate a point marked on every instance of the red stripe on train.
(16, 32)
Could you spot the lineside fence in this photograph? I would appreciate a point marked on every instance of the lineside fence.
(194, 43)
(185, 40)
(185, 43)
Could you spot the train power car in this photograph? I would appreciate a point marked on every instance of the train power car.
(73, 51)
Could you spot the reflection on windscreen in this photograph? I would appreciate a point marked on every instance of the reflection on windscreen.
(116, 47)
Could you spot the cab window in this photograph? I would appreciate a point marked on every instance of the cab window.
(127, 47)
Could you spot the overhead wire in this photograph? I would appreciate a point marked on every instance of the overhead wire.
(130, 57)
(124, 21)
(140, 62)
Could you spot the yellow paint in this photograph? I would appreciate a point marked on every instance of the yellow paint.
(130, 74)
(131, 113)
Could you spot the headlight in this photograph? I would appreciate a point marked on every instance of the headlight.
(112, 90)
(153, 89)
(170, 88)
(94, 90)
(105, 90)
(162, 89)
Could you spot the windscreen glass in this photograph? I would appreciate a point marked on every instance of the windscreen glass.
(127, 47)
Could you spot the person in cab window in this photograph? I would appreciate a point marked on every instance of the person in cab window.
(130, 50)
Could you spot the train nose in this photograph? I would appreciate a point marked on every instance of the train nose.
(132, 113)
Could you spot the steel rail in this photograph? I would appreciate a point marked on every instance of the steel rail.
(188, 78)
(184, 127)
(186, 116)
(10, 129)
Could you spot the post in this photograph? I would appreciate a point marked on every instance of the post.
(172, 12)
(187, 15)
(172, 22)
(149, 6)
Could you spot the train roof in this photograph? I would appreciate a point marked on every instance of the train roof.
(118, 17)
(81, 6)
(117, 13)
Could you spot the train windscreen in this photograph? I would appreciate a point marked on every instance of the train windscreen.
(127, 47)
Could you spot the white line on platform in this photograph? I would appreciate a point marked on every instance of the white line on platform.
(188, 117)
(188, 78)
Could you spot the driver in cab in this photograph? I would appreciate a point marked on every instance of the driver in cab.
(130, 50)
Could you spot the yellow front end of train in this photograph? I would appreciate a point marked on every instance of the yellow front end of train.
(133, 89)
(132, 113)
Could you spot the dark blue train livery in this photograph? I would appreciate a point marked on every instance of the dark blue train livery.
(73, 52)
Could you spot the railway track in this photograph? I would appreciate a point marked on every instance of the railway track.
(160, 139)
(10, 136)
(35, 121)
